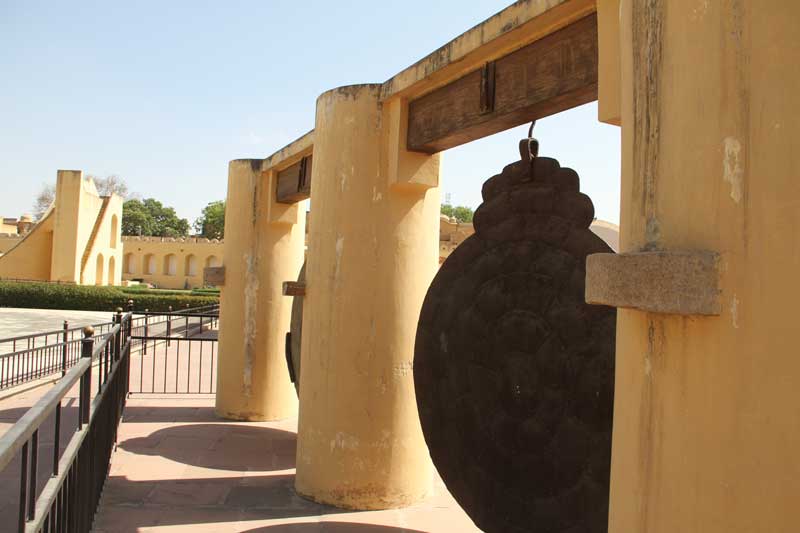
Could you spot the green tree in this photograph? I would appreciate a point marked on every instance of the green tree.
(461, 213)
(151, 217)
(211, 223)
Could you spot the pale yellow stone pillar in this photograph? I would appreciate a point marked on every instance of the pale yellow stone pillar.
(706, 411)
(263, 247)
(374, 251)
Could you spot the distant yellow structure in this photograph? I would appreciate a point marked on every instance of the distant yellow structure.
(169, 263)
(78, 240)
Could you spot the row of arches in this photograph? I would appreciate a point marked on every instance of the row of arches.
(101, 276)
(169, 264)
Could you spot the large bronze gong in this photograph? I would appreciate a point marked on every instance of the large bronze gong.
(514, 372)
(295, 334)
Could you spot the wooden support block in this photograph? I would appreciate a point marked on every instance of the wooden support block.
(294, 182)
(555, 73)
(214, 276)
(673, 282)
(294, 288)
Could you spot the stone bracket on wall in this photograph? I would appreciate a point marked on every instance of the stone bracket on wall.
(214, 276)
(673, 282)
(294, 288)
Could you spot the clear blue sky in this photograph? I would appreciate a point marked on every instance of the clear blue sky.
(165, 93)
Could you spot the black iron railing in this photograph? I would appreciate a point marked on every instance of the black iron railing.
(69, 498)
(31, 357)
(175, 353)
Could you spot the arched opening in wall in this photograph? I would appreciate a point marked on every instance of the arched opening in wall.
(190, 266)
(212, 261)
(99, 278)
(112, 268)
(114, 231)
(129, 264)
(149, 264)
(170, 265)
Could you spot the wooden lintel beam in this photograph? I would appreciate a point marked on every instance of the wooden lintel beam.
(294, 182)
(553, 74)
(294, 288)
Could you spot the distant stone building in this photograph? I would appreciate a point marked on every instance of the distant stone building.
(77, 239)
(169, 263)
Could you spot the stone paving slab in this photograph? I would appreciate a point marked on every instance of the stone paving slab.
(179, 468)
(16, 321)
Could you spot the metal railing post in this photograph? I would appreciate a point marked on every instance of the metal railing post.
(64, 349)
(144, 345)
(117, 346)
(169, 324)
(87, 346)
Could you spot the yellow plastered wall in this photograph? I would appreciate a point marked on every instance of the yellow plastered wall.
(77, 241)
(184, 260)
(263, 248)
(30, 258)
(76, 206)
(707, 412)
(373, 252)
(102, 257)
(8, 241)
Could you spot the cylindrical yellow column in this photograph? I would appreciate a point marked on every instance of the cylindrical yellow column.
(706, 409)
(263, 248)
(373, 252)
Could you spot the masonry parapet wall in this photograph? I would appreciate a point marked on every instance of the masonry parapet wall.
(196, 240)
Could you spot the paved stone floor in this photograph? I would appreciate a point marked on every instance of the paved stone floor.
(179, 468)
(14, 321)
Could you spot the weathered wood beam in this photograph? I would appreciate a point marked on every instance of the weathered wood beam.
(555, 73)
(294, 182)
(294, 288)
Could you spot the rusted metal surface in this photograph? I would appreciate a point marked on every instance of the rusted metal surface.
(514, 372)
(295, 331)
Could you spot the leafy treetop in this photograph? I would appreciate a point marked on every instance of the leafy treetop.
(461, 213)
(150, 217)
(211, 223)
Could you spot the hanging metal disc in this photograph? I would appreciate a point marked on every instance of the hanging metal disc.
(514, 372)
(295, 334)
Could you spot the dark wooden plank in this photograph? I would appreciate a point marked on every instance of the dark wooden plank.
(294, 182)
(294, 288)
(550, 75)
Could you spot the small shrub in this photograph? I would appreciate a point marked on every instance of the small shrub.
(88, 298)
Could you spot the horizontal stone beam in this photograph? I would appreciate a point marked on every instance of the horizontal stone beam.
(672, 282)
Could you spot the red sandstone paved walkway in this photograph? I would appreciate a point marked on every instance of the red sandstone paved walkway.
(179, 468)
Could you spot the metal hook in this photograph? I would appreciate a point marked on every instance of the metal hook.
(529, 148)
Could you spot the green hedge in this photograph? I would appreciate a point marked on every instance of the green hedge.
(137, 290)
(86, 298)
